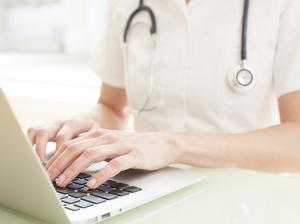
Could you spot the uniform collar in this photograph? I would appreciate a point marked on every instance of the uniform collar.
(180, 3)
(182, 6)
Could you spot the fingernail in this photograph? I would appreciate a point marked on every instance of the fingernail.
(92, 183)
(60, 180)
(50, 175)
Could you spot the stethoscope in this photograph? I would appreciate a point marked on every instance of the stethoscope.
(240, 80)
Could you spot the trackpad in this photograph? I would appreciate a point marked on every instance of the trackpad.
(93, 168)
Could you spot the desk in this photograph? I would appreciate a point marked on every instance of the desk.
(227, 196)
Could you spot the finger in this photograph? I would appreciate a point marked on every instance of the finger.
(94, 133)
(88, 153)
(88, 157)
(90, 135)
(64, 157)
(83, 142)
(113, 168)
(31, 135)
(70, 130)
(65, 134)
(58, 153)
(41, 141)
(63, 161)
(41, 136)
(62, 143)
(63, 140)
(81, 163)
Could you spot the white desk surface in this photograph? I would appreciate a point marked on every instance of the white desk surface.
(230, 196)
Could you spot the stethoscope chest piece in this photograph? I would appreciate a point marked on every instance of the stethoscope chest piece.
(241, 79)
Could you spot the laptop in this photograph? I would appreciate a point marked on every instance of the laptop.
(25, 186)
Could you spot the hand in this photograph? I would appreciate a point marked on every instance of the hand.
(59, 132)
(123, 150)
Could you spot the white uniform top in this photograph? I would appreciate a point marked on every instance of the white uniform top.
(197, 47)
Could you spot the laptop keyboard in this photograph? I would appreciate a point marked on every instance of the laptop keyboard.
(77, 196)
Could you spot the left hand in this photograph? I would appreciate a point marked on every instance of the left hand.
(123, 150)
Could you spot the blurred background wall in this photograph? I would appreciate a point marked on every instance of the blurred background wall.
(46, 47)
(69, 26)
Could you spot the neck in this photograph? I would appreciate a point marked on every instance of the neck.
(188, 1)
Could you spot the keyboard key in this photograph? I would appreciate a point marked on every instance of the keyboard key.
(70, 200)
(84, 190)
(72, 208)
(104, 188)
(120, 185)
(110, 183)
(93, 199)
(83, 175)
(132, 189)
(64, 190)
(77, 194)
(88, 178)
(104, 195)
(119, 192)
(74, 186)
(61, 196)
(83, 204)
(80, 181)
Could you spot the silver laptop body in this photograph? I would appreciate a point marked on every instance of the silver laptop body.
(26, 188)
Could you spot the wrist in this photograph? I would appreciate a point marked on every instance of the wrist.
(94, 115)
(191, 149)
(176, 147)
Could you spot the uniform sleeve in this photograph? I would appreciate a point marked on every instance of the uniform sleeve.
(108, 61)
(287, 58)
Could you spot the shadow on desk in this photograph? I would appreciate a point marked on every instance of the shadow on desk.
(8, 216)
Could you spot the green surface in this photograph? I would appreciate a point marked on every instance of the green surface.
(226, 196)
(12, 217)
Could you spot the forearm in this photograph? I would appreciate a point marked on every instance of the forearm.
(272, 149)
(107, 118)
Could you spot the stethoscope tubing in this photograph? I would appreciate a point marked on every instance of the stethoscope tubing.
(233, 79)
(244, 48)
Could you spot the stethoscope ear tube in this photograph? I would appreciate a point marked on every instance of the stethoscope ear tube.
(153, 32)
(141, 8)
(241, 79)
(146, 105)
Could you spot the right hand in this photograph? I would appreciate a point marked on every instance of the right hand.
(59, 132)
